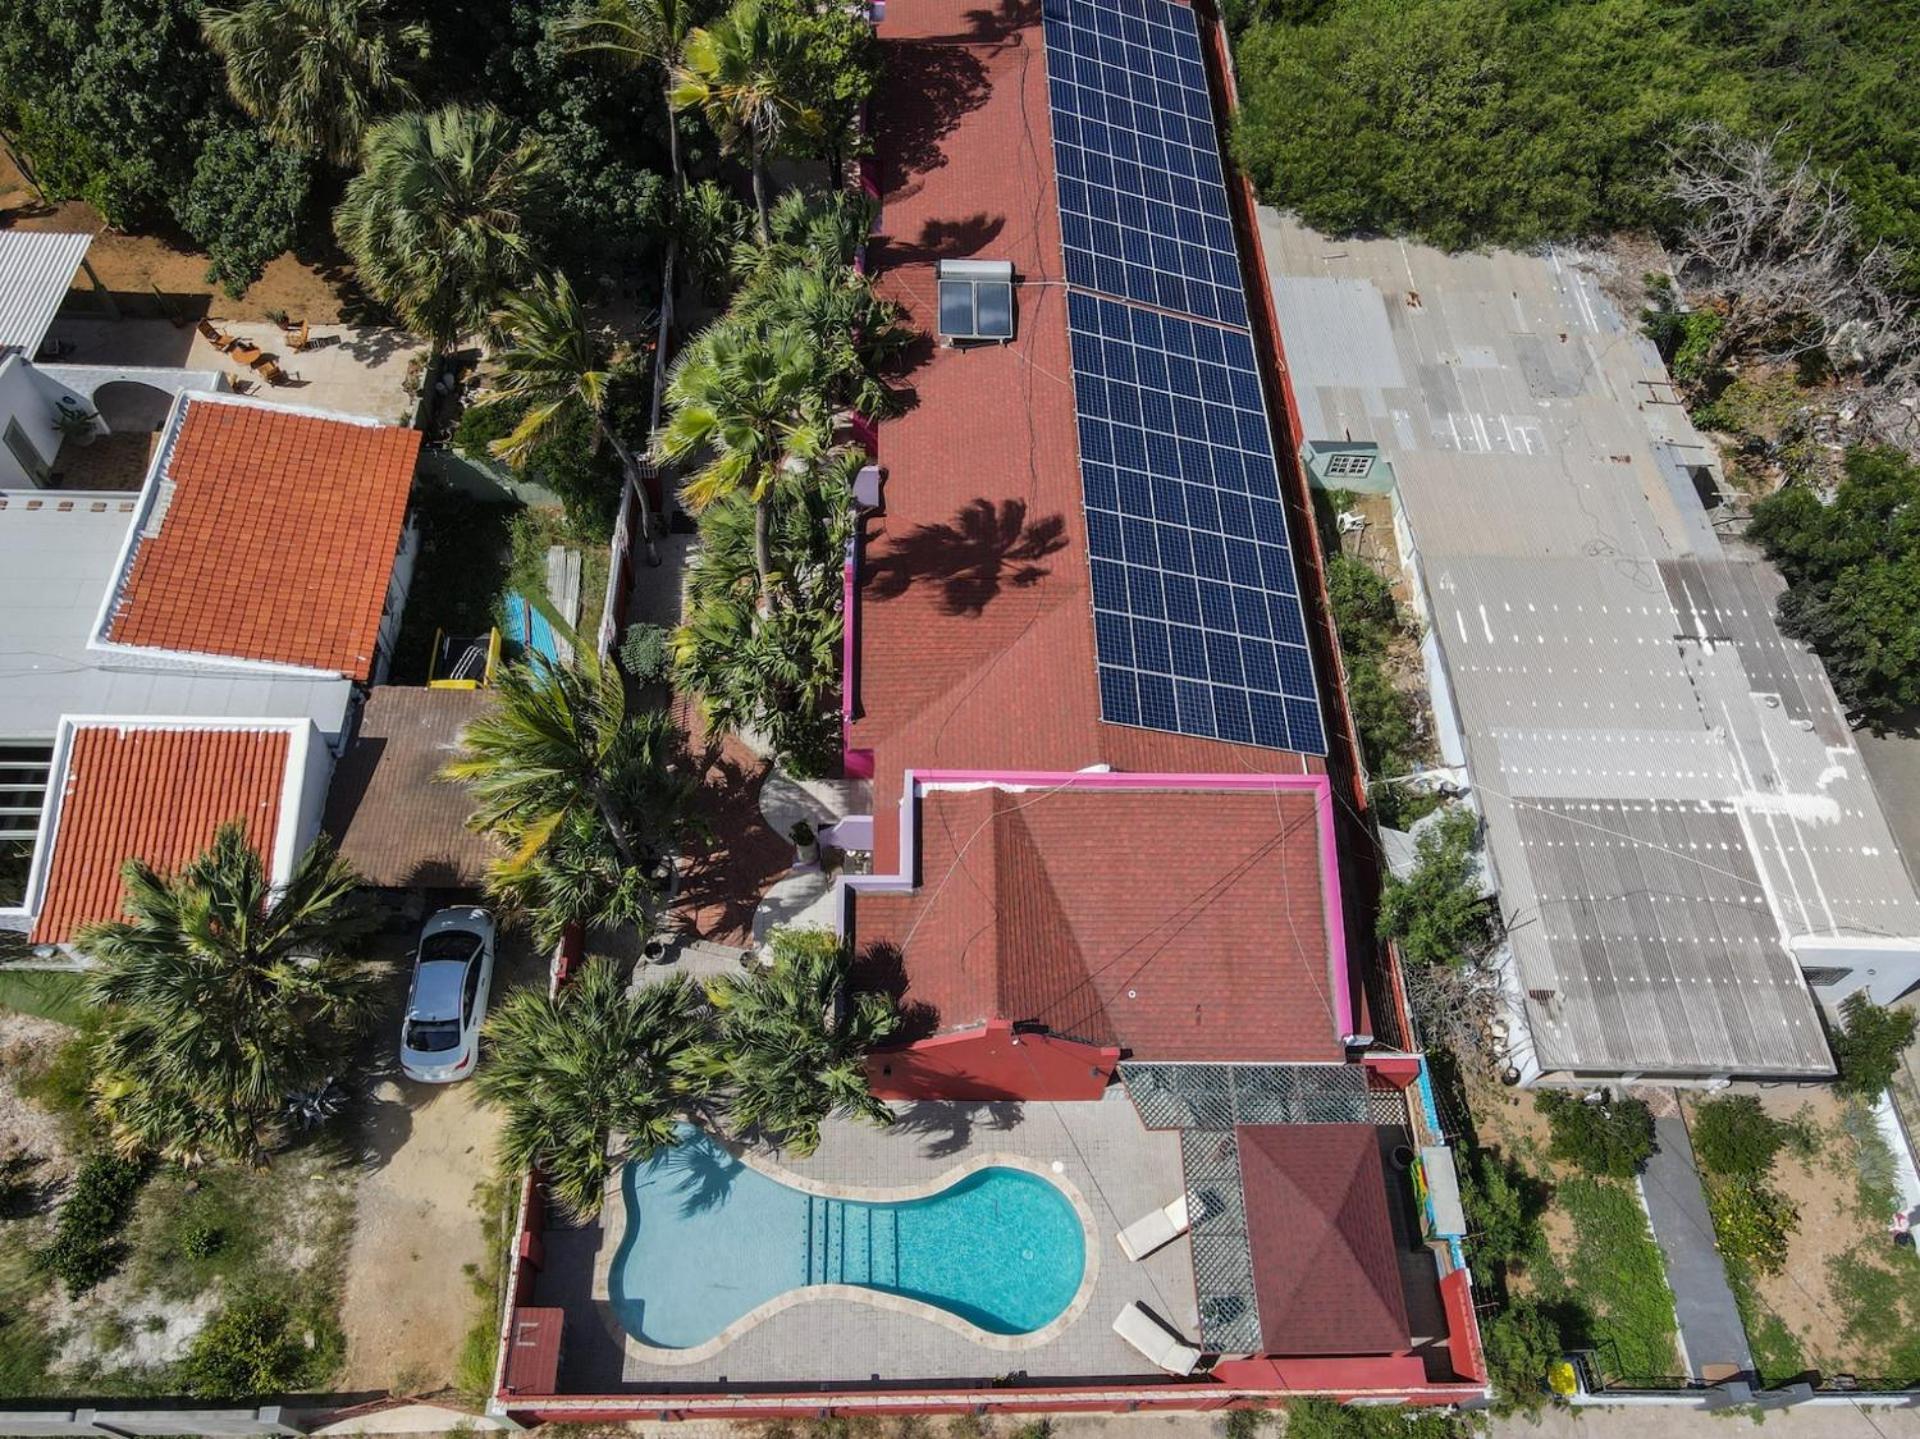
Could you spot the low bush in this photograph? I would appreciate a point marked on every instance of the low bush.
(85, 1247)
(1734, 1136)
(1437, 914)
(1364, 610)
(1608, 1136)
(1868, 1045)
(1522, 1342)
(1753, 1221)
(1503, 1204)
(645, 653)
(256, 1345)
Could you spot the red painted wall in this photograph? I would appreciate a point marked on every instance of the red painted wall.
(992, 1062)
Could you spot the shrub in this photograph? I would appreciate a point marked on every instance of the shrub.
(1868, 1045)
(1754, 1223)
(1607, 1136)
(85, 1247)
(202, 1239)
(1734, 1136)
(1522, 1342)
(1437, 914)
(1503, 1204)
(255, 1345)
(1364, 611)
(644, 653)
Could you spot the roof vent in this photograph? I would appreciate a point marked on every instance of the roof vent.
(976, 300)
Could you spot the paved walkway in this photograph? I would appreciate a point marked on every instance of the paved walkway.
(1711, 1335)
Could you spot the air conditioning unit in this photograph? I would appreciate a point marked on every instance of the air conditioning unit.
(976, 300)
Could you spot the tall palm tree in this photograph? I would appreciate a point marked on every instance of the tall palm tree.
(316, 71)
(552, 359)
(558, 742)
(739, 73)
(436, 219)
(597, 1059)
(222, 997)
(794, 1041)
(755, 403)
(852, 331)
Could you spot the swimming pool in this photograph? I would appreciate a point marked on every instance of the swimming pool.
(710, 1239)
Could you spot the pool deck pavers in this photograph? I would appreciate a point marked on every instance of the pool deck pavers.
(1120, 1169)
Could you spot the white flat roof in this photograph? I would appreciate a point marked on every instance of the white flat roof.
(59, 550)
(36, 271)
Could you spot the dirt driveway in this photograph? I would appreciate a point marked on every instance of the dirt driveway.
(408, 1299)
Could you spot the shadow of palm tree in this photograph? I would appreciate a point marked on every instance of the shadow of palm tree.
(930, 87)
(985, 548)
(949, 1125)
(703, 1174)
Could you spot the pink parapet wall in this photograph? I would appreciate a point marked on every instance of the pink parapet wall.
(915, 781)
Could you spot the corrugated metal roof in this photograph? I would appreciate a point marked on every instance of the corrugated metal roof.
(36, 270)
(1669, 786)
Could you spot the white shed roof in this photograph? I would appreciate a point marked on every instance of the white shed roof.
(36, 270)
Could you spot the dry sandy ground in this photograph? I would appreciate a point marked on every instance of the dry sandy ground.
(408, 1300)
(133, 266)
(29, 1041)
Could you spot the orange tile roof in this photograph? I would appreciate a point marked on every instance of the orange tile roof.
(277, 542)
(155, 795)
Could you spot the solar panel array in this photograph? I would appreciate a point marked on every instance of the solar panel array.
(1143, 201)
(1197, 620)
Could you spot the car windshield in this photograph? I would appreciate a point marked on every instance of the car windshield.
(449, 944)
(432, 1036)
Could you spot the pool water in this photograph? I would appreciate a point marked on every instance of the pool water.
(709, 1240)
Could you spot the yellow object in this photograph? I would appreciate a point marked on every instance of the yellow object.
(1561, 1379)
(463, 682)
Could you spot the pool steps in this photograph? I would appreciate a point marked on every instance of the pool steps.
(852, 1243)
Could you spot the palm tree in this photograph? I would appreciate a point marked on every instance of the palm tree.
(853, 332)
(435, 220)
(222, 997)
(574, 1069)
(793, 1041)
(551, 359)
(738, 72)
(755, 403)
(315, 71)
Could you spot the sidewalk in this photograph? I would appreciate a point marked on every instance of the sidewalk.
(1712, 1340)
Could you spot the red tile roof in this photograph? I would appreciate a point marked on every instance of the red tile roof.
(975, 615)
(277, 541)
(1178, 925)
(155, 795)
(1326, 1273)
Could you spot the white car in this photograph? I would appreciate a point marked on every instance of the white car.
(452, 972)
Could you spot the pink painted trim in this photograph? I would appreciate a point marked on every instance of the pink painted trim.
(914, 782)
(849, 644)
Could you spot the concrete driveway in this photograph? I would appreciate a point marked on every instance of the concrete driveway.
(408, 1299)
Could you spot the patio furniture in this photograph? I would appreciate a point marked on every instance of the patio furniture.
(205, 327)
(299, 339)
(1155, 1231)
(1156, 1339)
(245, 352)
(269, 371)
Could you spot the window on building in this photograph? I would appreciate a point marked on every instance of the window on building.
(1350, 465)
(24, 766)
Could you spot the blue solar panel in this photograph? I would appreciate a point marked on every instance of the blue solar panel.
(1197, 622)
(1143, 200)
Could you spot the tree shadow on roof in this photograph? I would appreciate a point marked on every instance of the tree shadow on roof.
(940, 240)
(882, 967)
(984, 549)
(930, 88)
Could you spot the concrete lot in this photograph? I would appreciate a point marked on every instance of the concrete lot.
(347, 369)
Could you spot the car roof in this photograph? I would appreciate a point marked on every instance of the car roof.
(436, 990)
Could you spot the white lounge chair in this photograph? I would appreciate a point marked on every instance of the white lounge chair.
(1158, 1229)
(1155, 1339)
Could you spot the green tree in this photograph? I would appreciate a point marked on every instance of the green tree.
(1438, 913)
(224, 996)
(645, 35)
(1868, 1044)
(850, 332)
(559, 743)
(1853, 574)
(794, 1037)
(598, 1059)
(839, 71)
(1735, 1137)
(1503, 1204)
(1608, 1136)
(1364, 610)
(755, 404)
(1522, 1343)
(243, 206)
(740, 72)
(257, 1345)
(436, 220)
(553, 363)
(315, 72)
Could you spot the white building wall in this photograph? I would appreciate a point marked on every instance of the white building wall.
(26, 403)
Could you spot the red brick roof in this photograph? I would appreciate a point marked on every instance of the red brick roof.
(277, 541)
(1180, 926)
(1325, 1269)
(975, 623)
(156, 795)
